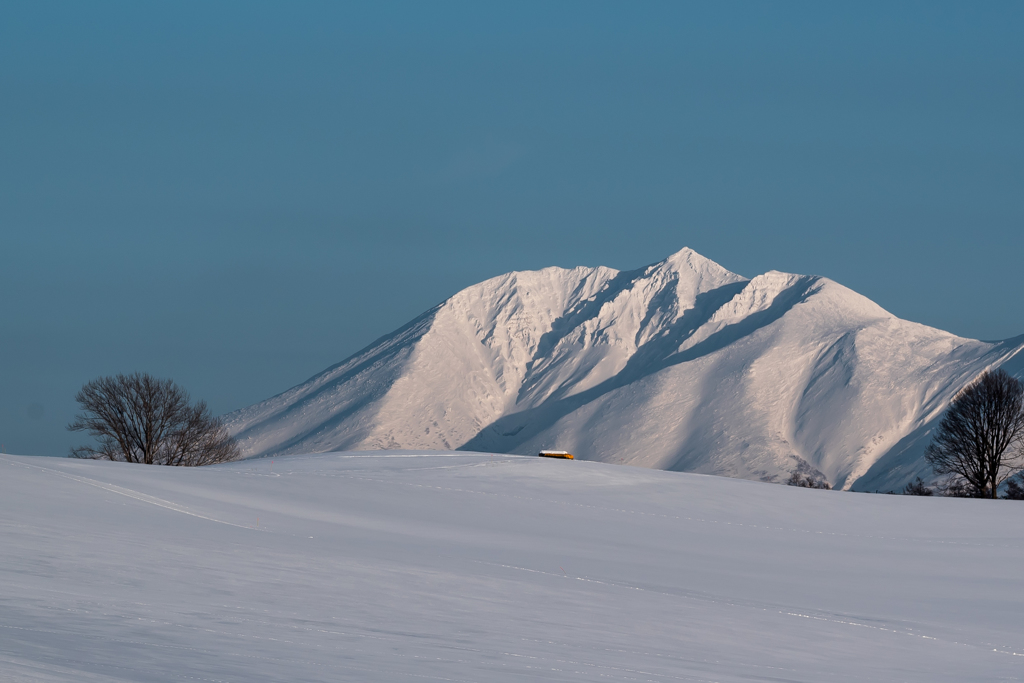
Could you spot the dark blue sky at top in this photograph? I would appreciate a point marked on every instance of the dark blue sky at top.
(238, 195)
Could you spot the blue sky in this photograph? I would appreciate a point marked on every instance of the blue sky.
(237, 195)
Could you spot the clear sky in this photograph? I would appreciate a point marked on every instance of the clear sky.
(238, 195)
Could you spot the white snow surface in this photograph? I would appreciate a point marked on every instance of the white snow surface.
(404, 566)
(681, 365)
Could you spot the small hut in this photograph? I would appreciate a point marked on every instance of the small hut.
(556, 454)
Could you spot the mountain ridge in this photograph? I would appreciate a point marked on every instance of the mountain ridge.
(678, 365)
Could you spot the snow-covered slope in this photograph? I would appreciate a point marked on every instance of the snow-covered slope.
(681, 365)
(469, 567)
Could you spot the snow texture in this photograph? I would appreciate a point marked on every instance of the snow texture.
(405, 566)
(681, 365)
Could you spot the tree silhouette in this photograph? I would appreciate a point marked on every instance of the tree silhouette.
(979, 441)
(137, 418)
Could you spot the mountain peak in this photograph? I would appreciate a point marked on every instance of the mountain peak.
(686, 260)
(691, 258)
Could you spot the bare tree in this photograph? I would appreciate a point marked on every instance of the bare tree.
(1014, 490)
(980, 441)
(138, 418)
(917, 488)
(808, 477)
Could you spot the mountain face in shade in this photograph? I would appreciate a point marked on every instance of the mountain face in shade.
(681, 365)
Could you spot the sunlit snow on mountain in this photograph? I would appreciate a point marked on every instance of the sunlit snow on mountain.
(681, 365)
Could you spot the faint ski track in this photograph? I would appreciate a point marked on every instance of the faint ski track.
(129, 493)
(719, 601)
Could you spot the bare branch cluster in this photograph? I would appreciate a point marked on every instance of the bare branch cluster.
(917, 488)
(980, 441)
(808, 477)
(1014, 490)
(138, 418)
(807, 482)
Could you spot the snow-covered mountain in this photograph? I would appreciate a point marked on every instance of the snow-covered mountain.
(681, 365)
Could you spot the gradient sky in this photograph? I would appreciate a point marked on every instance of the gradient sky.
(238, 195)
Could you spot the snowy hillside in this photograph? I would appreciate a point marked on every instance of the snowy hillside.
(681, 365)
(470, 567)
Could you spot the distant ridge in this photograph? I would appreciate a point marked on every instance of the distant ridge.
(681, 365)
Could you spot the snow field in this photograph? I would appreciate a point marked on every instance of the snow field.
(402, 566)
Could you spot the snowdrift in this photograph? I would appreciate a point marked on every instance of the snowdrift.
(474, 567)
(681, 365)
